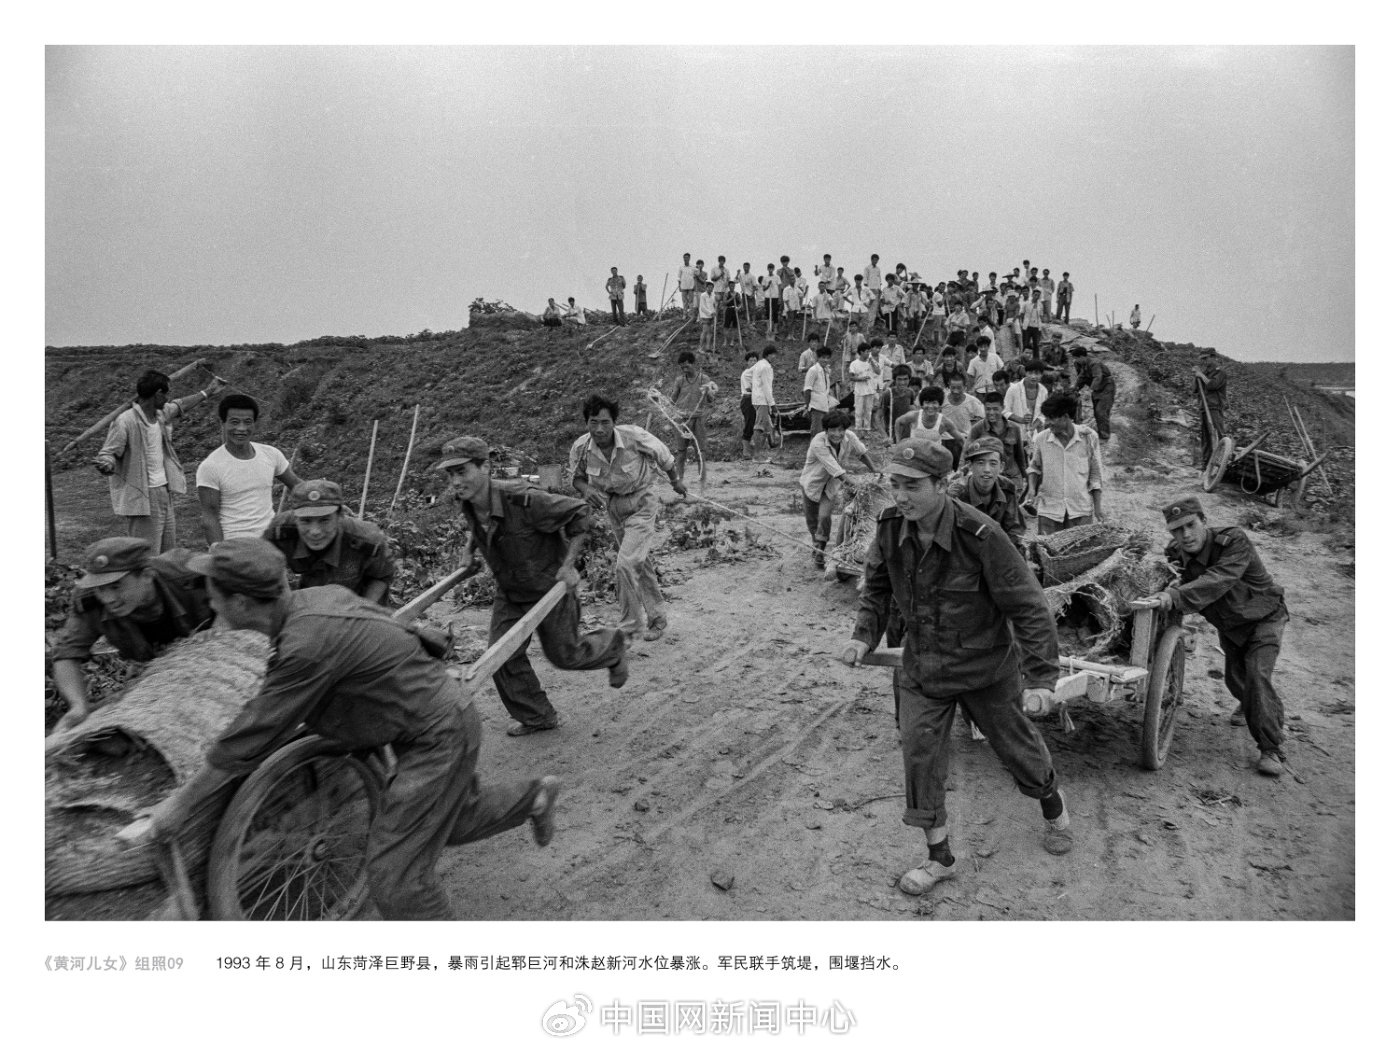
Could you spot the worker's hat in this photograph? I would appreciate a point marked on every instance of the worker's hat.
(316, 498)
(113, 558)
(467, 449)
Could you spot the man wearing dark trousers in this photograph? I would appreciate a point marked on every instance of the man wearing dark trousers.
(962, 589)
(530, 538)
(1224, 580)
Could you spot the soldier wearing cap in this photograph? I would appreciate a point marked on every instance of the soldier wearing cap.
(345, 669)
(324, 544)
(140, 603)
(1224, 580)
(530, 538)
(962, 590)
(1212, 379)
(985, 488)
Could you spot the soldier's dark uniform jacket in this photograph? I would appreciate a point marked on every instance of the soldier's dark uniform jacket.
(1000, 505)
(1226, 583)
(184, 609)
(526, 536)
(959, 602)
(360, 555)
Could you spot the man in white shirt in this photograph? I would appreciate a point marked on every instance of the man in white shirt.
(826, 273)
(865, 382)
(816, 389)
(706, 317)
(748, 287)
(821, 473)
(1066, 471)
(720, 276)
(235, 480)
(685, 279)
(763, 395)
(1025, 399)
(962, 411)
(746, 409)
(872, 274)
(792, 310)
(981, 368)
(573, 314)
(772, 300)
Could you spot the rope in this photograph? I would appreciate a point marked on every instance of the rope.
(671, 413)
(806, 545)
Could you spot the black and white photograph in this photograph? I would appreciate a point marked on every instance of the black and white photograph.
(822, 489)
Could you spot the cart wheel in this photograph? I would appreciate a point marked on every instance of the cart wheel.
(291, 845)
(1164, 690)
(1219, 460)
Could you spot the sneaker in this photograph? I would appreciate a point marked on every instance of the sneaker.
(1270, 764)
(1237, 717)
(521, 729)
(617, 674)
(1058, 839)
(656, 628)
(542, 813)
(923, 878)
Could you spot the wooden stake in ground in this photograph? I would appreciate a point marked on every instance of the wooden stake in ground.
(412, 433)
(826, 339)
(281, 500)
(1149, 324)
(102, 424)
(48, 501)
(369, 464)
(1096, 310)
(664, 282)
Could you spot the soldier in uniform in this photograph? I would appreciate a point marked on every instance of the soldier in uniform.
(323, 544)
(530, 538)
(344, 668)
(139, 602)
(1224, 580)
(961, 588)
(988, 490)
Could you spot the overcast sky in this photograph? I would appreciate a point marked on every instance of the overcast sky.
(230, 195)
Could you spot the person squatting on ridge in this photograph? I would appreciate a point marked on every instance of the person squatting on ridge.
(613, 467)
(530, 538)
(344, 668)
(961, 589)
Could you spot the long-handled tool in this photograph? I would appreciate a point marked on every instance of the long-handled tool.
(504, 648)
(412, 434)
(103, 423)
(369, 465)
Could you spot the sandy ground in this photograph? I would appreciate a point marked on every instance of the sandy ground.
(742, 749)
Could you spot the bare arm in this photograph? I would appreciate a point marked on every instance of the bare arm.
(71, 683)
(209, 502)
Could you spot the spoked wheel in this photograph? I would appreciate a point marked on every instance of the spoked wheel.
(291, 845)
(1164, 691)
(1219, 460)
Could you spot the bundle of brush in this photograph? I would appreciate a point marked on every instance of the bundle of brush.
(130, 754)
(864, 496)
(1099, 600)
(1071, 552)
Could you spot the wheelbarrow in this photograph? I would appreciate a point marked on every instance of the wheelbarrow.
(1254, 469)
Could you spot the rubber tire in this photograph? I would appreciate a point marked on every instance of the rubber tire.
(226, 851)
(1165, 687)
(1215, 467)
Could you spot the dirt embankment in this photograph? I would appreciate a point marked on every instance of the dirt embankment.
(742, 750)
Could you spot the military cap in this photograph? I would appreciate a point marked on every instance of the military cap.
(113, 558)
(1178, 511)
(984, 446)
(466, 449)
(316, 498)
(919, 458)
(247, 565)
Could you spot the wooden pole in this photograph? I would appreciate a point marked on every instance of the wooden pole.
(101, 424)
(369, 464)
(827, 338)
(415, 608)
(412, 433)
(1096, 310)
(281, 500)
(48, 500)
(1149, 324)
(504, 648)
(664, 281)
(604, 336)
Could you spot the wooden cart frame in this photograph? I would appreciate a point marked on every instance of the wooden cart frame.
(1155, 675)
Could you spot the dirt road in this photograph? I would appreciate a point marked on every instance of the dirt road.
(741, 748)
